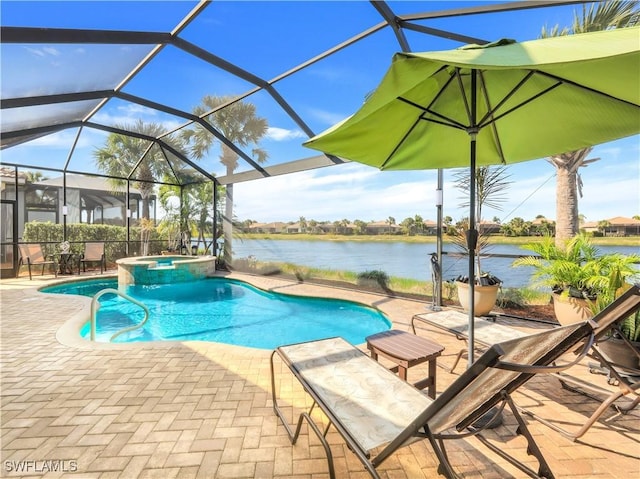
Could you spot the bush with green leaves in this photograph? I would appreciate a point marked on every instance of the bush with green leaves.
(366, 278)
(49, 235)
(578, 269)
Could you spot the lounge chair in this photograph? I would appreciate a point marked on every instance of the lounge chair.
(93, 253)
(32, 255)
(376, 412)
(486, 331)
(627, 381)
(607, 320)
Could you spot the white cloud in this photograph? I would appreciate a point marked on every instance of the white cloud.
(35, 51)
(348, 191)
(64, 139)
(282, 134)
(51, 51)
(130, 113)
(133, 110)
(354, 191)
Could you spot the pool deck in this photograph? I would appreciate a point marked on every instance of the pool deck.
(203, 410)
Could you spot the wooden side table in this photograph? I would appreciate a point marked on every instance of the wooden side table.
(407, 350)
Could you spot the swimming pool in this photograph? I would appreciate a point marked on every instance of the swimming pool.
(226, 311)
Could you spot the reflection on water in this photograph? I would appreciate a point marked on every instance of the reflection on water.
(404, 260)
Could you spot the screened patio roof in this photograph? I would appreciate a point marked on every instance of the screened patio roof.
(96, 68)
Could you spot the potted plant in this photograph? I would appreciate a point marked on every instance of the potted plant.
(577, 275)
(491, 183)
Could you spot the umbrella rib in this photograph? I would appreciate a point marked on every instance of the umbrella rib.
(592, 90)
(536, 96)
(409, 130)
(464, 97)
(494, 128)
(512, 92)
(450, 123)
(447, 121)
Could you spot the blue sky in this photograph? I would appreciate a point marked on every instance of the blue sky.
(267, 39)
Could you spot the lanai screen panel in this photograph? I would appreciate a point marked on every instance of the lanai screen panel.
(53, 73)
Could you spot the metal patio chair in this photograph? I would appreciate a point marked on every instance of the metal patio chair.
(93, 253)
(32, 255)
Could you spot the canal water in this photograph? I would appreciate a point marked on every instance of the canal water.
(400, 259)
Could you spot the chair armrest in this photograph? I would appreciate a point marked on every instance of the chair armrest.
(533, 369)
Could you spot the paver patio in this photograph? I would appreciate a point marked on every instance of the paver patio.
(203, 410)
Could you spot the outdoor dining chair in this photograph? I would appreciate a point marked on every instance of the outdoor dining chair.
(93, 253)
(32, 255)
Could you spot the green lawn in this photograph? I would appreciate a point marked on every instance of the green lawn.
(498, 239)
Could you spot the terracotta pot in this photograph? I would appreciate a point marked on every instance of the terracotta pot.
(484, 297)
(618, 353)
(570, 310)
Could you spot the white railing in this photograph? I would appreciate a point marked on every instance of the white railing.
(94, 303)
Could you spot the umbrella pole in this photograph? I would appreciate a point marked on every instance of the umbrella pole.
(472, 234)
(437, 286)
(472, 239)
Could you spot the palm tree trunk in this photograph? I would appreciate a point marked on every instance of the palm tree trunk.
(566, 204)
(227, 224)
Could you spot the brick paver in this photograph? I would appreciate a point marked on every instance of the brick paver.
(203, 410)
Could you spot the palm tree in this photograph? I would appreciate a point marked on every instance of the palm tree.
(303, 224)
(391, 221)
(121, 153)
(419, 224)
(239, 123)
(361, 227)
(594, 17)
(34, 177)
(602, 226)
(200, 210)
(408, 226)
(491, 183)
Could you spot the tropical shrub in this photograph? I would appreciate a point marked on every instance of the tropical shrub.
(580, 271)
(376, 276)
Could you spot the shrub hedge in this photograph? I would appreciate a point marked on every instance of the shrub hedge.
(50, 235)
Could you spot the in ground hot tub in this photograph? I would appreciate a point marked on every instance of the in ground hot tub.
(164, 269)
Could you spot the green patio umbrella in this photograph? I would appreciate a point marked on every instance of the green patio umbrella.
(499, 103)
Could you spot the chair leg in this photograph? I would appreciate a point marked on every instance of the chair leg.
(458, 357)
(544, 471)
(29, 266)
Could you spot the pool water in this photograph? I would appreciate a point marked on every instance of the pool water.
(225, 311)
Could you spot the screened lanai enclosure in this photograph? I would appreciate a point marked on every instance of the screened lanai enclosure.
(148, 125)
